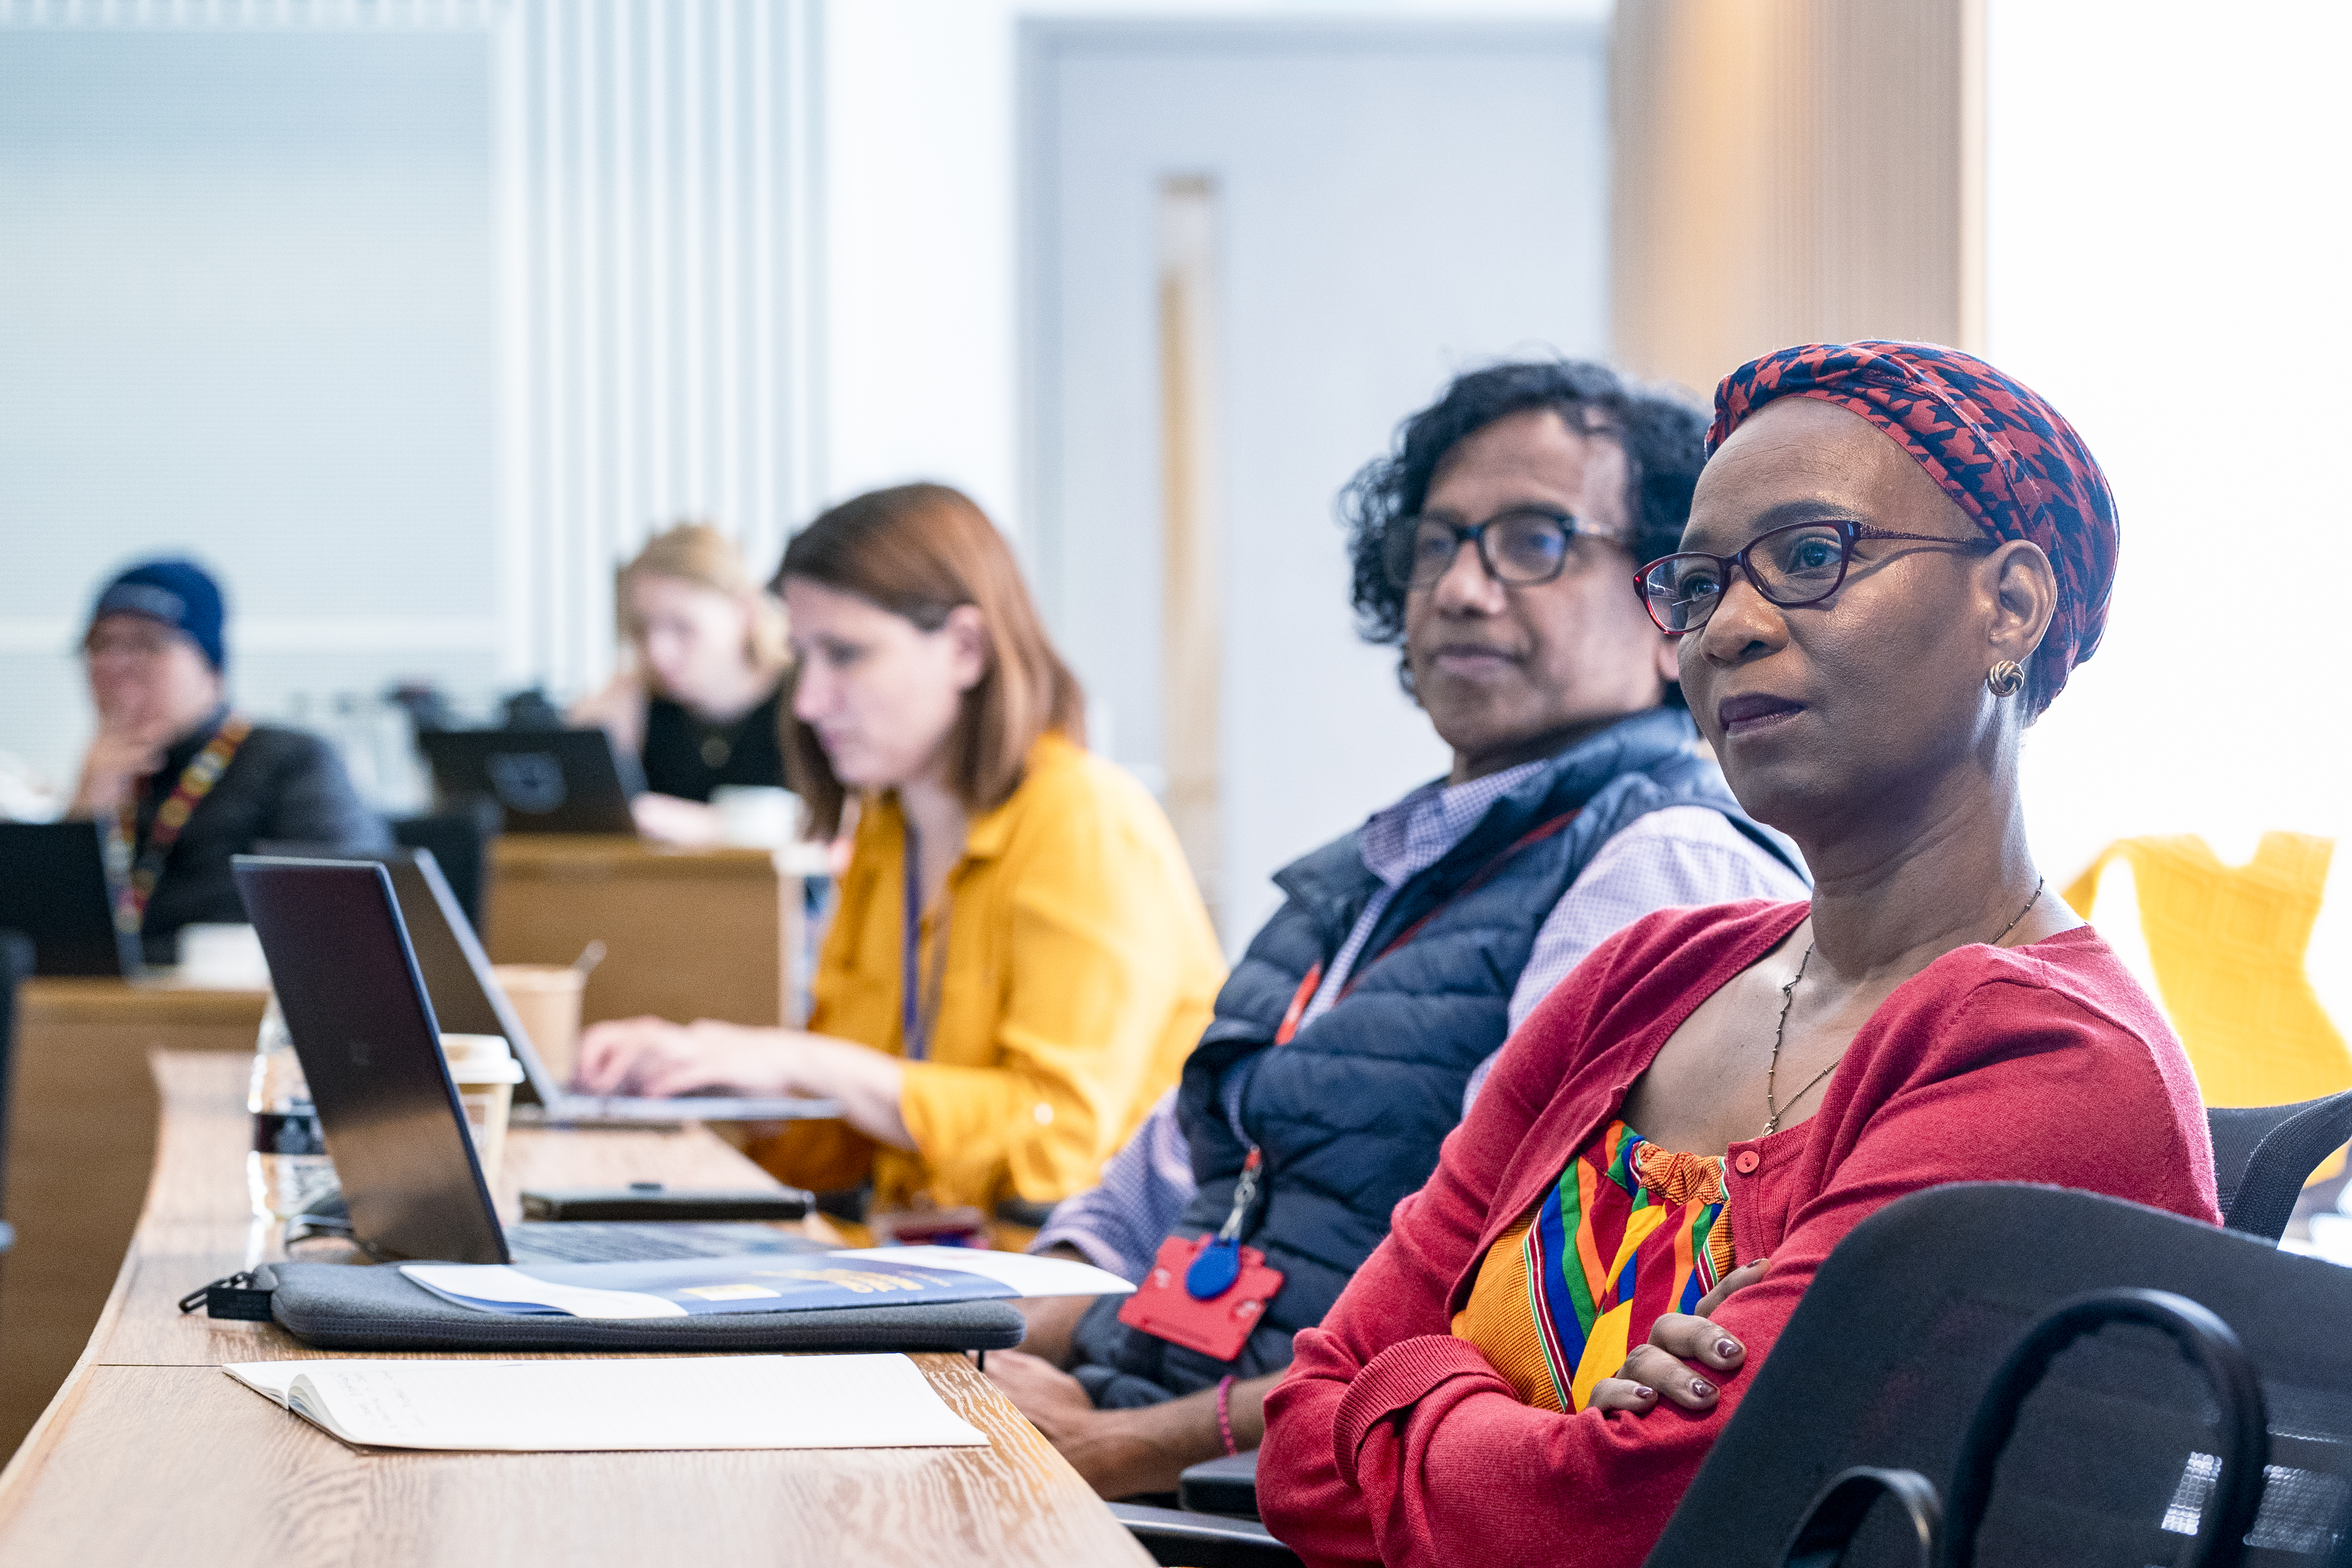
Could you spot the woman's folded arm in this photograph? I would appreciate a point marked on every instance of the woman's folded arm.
(1392, 1441)
(1398, 1298)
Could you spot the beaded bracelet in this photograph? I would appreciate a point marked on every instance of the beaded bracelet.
(1225, 1414)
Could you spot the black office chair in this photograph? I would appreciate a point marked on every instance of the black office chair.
(1214, 1523)
(2115, 1457)
(1179, 1536)
(1226, 1485)
(16, 967)
(2263, 1155)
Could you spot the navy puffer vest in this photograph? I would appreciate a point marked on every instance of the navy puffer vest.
(1351, 1112)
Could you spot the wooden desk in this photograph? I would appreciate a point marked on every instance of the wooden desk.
(80, 1146)
(149, 1452)
(687, 933)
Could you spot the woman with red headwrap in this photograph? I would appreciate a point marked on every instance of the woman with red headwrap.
(1896, 556)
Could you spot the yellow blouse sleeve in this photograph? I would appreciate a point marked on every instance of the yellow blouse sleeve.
(1111, 971)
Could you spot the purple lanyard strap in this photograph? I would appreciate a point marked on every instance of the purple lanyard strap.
(918, 1005)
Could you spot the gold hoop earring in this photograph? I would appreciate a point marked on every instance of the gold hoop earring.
(2006, 679)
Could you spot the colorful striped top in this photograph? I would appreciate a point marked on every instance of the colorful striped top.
(1629, 1233)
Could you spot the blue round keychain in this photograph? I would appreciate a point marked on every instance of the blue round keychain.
(1212, 1273)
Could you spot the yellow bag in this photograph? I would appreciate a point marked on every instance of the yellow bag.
(2227, 944)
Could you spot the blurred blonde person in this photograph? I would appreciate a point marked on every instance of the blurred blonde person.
(699, 700)
(1019, 961)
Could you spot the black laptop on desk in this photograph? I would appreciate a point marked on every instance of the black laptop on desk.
(369, 1040)
(544, 781)
(53, 888)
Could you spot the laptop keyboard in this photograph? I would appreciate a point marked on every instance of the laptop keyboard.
(646, 1241)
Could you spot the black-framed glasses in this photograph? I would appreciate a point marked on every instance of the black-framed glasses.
(1524, 547)
(1798, 564)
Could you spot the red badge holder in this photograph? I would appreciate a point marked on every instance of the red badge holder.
(1207, 1294)
(1218, 1327)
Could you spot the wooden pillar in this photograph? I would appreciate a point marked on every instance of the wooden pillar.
(1792, 171)
(1191, 637)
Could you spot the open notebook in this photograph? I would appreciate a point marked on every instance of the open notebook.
(603, 1406)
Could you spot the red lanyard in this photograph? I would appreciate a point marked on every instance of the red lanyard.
(134, 885)
(1292, 1015)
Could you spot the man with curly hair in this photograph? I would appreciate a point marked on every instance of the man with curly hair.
(1495, 547)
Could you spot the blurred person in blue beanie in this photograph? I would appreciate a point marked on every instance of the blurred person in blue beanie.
(180, 779)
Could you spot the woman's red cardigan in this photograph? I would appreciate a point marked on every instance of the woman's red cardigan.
(1392, 1441)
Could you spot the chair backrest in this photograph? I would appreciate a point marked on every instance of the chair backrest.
(2263, 1154)
(15, 966)
(2113, 1459)
(459, 841)
(1202, 1539)
(1226, 1484)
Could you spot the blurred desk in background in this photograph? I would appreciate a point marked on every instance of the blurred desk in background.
(81, 1146)
(687, 933)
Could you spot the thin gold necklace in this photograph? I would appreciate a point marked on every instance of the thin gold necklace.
(1772, 1110)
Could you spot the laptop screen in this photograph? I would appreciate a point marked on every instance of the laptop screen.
(544, 781)
(364, 1027)
(458, 974)
(53, 888)
(464, 991)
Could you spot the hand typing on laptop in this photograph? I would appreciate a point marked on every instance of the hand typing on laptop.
(657, 1059)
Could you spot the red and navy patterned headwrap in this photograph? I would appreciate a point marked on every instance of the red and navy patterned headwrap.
(2011, 462)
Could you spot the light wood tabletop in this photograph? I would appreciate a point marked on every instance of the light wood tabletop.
(149, 1451)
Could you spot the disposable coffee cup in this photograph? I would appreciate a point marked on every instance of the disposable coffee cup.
(221, 958)
(546, 999)
(485, 1072)
(757, 817)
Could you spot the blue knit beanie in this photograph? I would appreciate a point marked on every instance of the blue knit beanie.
(180, 594)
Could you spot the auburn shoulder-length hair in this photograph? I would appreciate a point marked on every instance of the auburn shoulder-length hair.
(921, 550)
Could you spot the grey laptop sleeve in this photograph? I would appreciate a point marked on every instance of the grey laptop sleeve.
(346, 1307)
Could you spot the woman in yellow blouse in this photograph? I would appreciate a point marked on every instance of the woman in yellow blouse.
(1006, 1040)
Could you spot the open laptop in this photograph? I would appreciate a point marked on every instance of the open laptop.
(545, 780)
(53, 888)
(467, 997)
(364, 1028)
(468, 1000)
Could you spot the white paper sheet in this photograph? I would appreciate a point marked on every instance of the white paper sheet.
(588, 1407)
(483, 1284)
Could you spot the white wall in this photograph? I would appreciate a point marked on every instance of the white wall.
(246, 306)
(413, 320)
(2168, 226)
(923, 340)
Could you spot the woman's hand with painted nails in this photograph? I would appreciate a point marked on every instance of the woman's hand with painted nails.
(1661, 1369)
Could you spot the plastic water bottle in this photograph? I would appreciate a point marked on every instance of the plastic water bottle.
(287, 1167)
